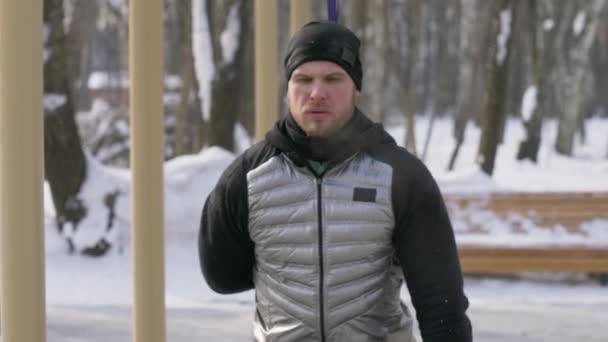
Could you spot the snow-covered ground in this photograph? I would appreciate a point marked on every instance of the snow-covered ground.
(89, 298)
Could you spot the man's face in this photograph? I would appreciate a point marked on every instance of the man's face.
(321, 97)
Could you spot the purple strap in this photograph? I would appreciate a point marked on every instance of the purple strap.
(332, 10)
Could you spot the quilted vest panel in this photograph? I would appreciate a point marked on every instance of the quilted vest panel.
(324, 256)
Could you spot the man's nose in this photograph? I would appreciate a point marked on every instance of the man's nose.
(318, 91)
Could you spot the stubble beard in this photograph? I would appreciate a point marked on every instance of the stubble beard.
(327, 128)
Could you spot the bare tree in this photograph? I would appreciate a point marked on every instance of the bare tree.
(64, 160)
(573, 69)
(81, 30)
(494, 97)
(415, 11)
(540, 39)
(441, 70)
(520, 68)
(228, 17)
(188, 115)
(246, 104)
(469, 61)
(374, 50)
(433, 43)
(447, 68)
(368, 20)
(599, 64)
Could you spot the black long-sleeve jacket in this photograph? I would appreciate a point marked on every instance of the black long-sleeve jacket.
(235, 254)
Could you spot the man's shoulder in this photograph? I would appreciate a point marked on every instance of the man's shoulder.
(234, 176)
(397, 157)
(255, 155)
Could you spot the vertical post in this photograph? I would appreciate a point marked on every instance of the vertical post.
(146, 107)
(266, 67)
(21, 172)
(299, 14)
(332, 10)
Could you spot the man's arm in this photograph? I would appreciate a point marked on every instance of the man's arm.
(426, 248)
(226, 252)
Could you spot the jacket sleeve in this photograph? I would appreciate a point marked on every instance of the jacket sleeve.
(426, 248)
(226, 252)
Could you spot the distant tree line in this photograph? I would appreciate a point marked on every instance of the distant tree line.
(472, 60)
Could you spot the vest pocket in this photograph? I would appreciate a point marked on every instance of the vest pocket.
(262, 311)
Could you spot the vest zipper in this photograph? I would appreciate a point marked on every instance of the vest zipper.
(321, 271)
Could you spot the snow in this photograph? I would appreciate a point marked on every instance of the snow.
(188, 180)
(173, 82)
(119, 5)
(203, 54)
(503, 35)
(554, 172)
(105, 284)
(53, 101)
(548, 24)
(529, 103)
(230, 37)
(578, 25)
(584, 172)
(46, 31)
(500, 233)
(102, 79)
(468, 180)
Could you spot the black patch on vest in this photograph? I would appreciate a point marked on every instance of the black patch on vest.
(364, 195)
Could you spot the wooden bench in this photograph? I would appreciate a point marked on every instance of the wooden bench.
(542, 232)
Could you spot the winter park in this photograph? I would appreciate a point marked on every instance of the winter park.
(147, 103)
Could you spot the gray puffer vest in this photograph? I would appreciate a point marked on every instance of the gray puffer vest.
(325, 269)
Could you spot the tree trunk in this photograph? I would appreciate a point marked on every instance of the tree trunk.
(600, 62)
(246, 105)
(415, 11)
(367, 20)
(446, 70)
(539, 39)
(78, 37)
(184, 138)
(494, 99)
(373, 49)
(573, 71)
(487, 40)
(354, 15)
(226, 86)
(520, 70)
(200, 127)
(64, 160)
(434, 47)
(469, 61)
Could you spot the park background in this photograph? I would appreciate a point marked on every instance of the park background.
(491, 95)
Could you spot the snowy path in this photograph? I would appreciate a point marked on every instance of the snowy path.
(232, 322)
(90, 300)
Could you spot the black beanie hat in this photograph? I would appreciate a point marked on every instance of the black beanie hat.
(325, 40)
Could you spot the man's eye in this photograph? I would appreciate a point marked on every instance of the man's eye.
(302, 79)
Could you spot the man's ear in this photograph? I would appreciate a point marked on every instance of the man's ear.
(357, 95)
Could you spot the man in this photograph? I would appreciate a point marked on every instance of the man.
(327, 216)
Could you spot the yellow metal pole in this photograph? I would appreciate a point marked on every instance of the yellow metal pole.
(299, 14)
(266, 59)
(21, 161)
(146, 107)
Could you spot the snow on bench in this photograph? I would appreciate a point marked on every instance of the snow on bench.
(515, 232)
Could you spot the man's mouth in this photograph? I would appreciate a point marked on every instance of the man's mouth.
(317, 112)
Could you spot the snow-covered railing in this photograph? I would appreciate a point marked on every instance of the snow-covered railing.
(517, 232)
